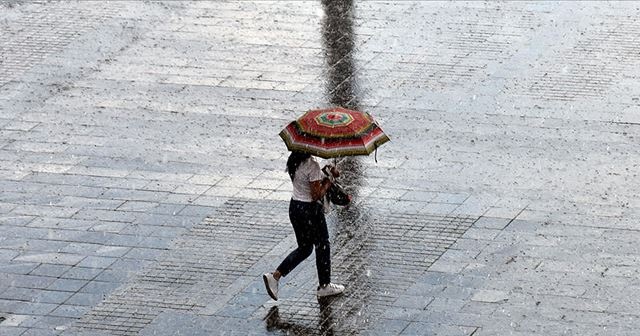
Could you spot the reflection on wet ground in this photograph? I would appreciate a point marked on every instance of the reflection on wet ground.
(378, 255)
(338, 42)
(325, 321)
(354, 241)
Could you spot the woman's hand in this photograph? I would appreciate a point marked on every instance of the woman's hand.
(329, 169)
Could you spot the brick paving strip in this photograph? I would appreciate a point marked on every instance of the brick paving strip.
(201, 263)
(377, 257)
(46, 29)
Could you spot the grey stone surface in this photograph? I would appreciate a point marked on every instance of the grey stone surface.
(140, 162)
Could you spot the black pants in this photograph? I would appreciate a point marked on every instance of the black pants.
(310, 227)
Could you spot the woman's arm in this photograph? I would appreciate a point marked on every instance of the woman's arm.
(319, 188)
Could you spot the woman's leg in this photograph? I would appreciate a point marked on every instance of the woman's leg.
(299, 214)
(323, 248)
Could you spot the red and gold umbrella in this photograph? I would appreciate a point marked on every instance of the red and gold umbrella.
(334, 132)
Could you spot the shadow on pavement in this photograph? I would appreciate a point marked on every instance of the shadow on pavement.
(325, 321)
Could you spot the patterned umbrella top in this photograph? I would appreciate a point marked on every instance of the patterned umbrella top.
(335, 123)
(334, 132)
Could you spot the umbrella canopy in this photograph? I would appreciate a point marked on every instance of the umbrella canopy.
(334, 132)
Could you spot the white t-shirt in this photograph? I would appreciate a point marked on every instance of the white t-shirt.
(308, 171)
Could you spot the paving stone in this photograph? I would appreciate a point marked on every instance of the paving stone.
(16, 220)
(17, 267)
(449, 198)
(15, 293)
(439, 208)
(45, 210)
(114, 275)
(448, 267)
(417, 302)
(23, 232)
(68, 285)
(50, 270)
(145, 253)
(106, 215)
(15, 320)
(416, 328)
(31, 281)
(490, 296)
(112, 251)
(482, 233)
(47, 244)
(402, 313)
(71, 224)
(52, 258)
(446, 304)
(480, 308)
(84, 299)
(41, 332)
(55, 296)
(387, 327)
(7, 255)
(69, 311)
(189, 324)
(100, 287)
(12, 331)
(54, 323)
(193, 210)
(213, 201)
(167, 209)
(492, 222)
(29, 308)
(82, 273)
(502, 212)
(96, 262)
(137, 206)
(93, 203)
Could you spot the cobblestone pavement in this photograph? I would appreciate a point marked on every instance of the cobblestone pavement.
(143, 189)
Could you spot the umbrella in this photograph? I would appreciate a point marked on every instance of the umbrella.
(334, 132)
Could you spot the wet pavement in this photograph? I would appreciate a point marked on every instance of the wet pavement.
(143, 189)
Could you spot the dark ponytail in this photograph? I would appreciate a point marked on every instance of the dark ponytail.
(294, 161)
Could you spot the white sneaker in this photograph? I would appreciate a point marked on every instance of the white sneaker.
(272, 285)
(330, 289)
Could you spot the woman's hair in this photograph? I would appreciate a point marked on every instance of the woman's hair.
(294, 161)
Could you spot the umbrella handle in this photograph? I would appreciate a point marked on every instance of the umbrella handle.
(375, 154)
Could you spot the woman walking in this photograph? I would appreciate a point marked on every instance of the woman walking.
(307, 218)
